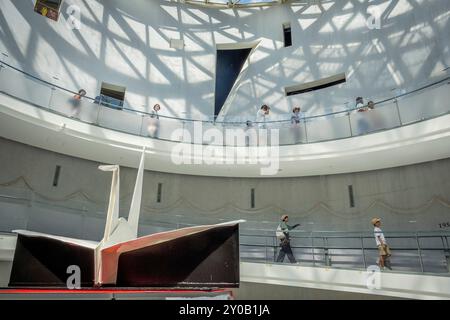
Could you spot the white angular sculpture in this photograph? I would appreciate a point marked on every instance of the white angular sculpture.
(194, 256)
(117, 229)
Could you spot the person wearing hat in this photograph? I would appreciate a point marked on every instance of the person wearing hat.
(297, 115)
(262, 115)
(383, 248)
(359, 103)
(283, 235)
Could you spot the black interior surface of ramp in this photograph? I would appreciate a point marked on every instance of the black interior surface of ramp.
(43, 262)
(206, 259)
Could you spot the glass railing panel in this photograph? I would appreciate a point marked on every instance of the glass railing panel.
(121, 120)
(211, 133)
(241, 135)
(12, 193)
(214, 134)
(254, 248)
(292, 133)
(434, 261)
(347, 250)
(93, 227)
(162, 128)
(405, 260)
(169, 129)
(384, 116)
(423, 104)
(433, 241)
(13, 214)
(346, 258)
(55, 222)
(65, 103)
(328, 128)
(24, 87)
(408, 108)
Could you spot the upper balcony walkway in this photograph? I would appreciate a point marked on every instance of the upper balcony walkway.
(407, 128)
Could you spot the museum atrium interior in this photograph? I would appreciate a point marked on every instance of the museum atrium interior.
(332, 112)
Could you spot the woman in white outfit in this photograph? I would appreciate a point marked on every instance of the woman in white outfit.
(153, 122)
(262, 115)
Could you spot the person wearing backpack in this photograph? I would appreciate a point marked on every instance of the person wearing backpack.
(283, 236)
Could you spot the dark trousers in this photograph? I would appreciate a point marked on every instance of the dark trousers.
(286, 250)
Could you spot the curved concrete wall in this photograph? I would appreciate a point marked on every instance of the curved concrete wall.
(128, 43)
(409, 198)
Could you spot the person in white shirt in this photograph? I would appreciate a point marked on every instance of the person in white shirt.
(153, 122)
(360, 104)
(383, 248)
(262, 115)
(297, 115)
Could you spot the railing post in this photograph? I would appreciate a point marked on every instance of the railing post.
(266, 257)
(182, 137)
(98, 112)
(419, 251)
(398, 111)
(51, 98)
(312, 249)
(447, 259)
(326, 252)
(142, 125)
(350, 124)
(306, 130)
(446, 252)
(274, 242)
(363, 252)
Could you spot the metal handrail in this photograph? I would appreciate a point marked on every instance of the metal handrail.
(324, 249)
(213, 121)
(367, 234)
(341, 247)
(323, 254)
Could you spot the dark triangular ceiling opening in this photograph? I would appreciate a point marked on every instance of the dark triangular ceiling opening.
(229, 65)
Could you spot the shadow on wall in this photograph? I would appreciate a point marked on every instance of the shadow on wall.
(129, 44)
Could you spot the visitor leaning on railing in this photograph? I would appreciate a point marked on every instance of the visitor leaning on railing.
(262, 115)
(153, 123)
(359, 103)
(76, 102)
(363, 122)
(297, 116)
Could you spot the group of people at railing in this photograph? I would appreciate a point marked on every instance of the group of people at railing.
(283, 236)
(262, 116)
(152, 123)
(263, 113)
(298, 116)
